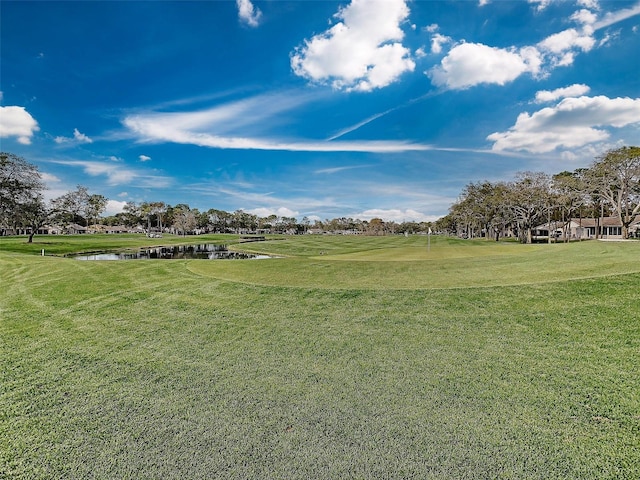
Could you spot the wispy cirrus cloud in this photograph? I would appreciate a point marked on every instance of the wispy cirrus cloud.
(333, 197)
(612, 18)
(150, 131)
(360, 124)
(247, 124)
(332, 170)
(117, 174)
(252, 198)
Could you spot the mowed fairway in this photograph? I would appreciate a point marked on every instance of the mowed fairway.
(349, 357)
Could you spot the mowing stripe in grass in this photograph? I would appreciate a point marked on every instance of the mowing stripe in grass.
(145, 369)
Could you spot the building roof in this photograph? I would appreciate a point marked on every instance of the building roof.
(603, 222)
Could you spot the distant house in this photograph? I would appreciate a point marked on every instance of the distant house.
(75, 229)
(116, 229)
(608, 228)
(44, 230)
(50, 230)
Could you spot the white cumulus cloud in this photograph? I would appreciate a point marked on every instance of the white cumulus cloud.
(81, 137)
(78, 137)
(470, 64)
(592, 4)
(248, 13)
(573, 122)
(360, 52)
(437, 41)
(144, 158)
(17, 122)
(585, 17)
(113, 207)
(575, 90)
(49, 178)
(540, 4)
(561, 42)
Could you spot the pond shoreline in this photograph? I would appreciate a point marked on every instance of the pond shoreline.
(171, 252)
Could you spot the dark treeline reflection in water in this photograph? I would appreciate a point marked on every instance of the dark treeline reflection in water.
(205, 252)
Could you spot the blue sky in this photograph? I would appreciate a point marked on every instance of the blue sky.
(367, 108)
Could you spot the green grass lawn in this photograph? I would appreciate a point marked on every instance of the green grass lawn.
(350, 357)
(65, 244)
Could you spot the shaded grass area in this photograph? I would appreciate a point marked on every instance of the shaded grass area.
(146, 370)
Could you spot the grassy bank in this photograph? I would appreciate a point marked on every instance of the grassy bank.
(65, 244)
(370, 366)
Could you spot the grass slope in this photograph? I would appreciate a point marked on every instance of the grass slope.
(167, 369)
(407, 263)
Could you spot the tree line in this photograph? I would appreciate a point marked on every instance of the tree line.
(609, 187)
(159, 217)
(23, 208)
(22, 204)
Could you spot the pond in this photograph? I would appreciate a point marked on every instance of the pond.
(205, 252)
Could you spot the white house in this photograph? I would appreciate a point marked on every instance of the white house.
(585, 228)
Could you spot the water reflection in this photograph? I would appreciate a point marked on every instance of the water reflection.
(206, 251)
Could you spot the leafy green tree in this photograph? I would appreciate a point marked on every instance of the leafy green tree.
(464, 215)
(21, 188)
(569, 193)
(158, 209)
(217, 220)
(184, 220)
(241, 220)
(202, 219)
(484, 207)
(146, 211)
(132, 214)
(305, 223)
(271, 222)
(96, 205)
(34, 215)
(446, 224)
(72, 207)
(376, 226)
(529, 199)
(616, 177)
